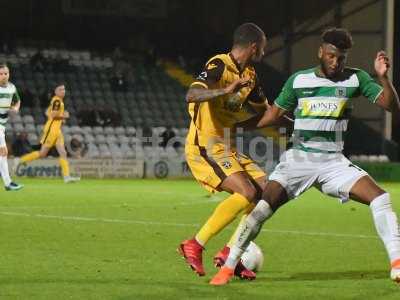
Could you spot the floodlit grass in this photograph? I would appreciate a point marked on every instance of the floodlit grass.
(117, 239)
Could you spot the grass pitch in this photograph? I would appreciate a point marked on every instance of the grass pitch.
(117, 239)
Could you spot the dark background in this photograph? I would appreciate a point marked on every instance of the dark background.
(173, 28)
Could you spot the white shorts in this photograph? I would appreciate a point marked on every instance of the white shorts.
(2, 137)
(332, 174)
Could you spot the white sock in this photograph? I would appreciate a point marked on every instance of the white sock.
(248, 232)
(386, 225)
(4, 170)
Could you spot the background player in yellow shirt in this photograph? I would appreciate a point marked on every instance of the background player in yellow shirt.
(223, 94)
(52, 134)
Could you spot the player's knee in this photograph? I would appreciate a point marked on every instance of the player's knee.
(275, 195)
(249, 192)
(381, 202)
(42, 154)
(3, 152)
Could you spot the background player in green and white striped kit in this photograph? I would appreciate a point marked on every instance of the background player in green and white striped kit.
(320, 98)
(9, 100)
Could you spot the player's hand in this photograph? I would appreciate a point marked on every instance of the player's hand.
(381, 64)
(14, 110)
(66, 114)
(236, 85)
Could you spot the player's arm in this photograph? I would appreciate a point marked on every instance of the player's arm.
(203, 88)
(257, 98)
(202, 94)
(54, 111)
(272, 116)
(276, 113)
(56, 115)
(15, 103)
(388, 98)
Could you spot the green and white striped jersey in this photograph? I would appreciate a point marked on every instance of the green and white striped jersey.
(8, 94)
(322, 107)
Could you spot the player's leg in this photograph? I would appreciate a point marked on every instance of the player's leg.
(242, 191)
(64, 164)
(46, 145)
(257, 177)
(275, 196)
(5, 175)
(221, 173)
(344, 180)
(366, 191)
(289, 179)
(259, 180)
(220, 258)
(31, 156)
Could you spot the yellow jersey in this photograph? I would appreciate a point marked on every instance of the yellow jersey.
(56, 105)
(210, 118)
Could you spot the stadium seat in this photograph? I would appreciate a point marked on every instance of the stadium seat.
(9, 127)
(100, 139)
(130, 131)
(120, 130)
(93, 151)
(122, 139)
(89, 138)
(79, 137)
(104, 151)
(18, 127)
(66, 129)
(109, 130)
(87, 130)
(33, 138)
(76, 130)
(111, 139)
(30, 128)
(15, 118)
(98, 130)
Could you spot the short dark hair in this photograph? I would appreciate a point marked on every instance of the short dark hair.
(3, 65)
(247, 34)
(339, 37)
(54, 87)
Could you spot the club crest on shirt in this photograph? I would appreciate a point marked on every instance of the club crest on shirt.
(202, 76)
(226, 165)
(340, 92)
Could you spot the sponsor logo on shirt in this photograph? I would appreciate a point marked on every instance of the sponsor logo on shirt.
(340, 92)
(226, 165)
(323, 108)
(202, 76)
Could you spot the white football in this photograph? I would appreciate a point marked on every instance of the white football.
(253, 258)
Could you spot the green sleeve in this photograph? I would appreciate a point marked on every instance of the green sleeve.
(368, 87)
(16, 97)
(287, 98)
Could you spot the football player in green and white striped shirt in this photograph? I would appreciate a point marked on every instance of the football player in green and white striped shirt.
(320, 98)
(9, 101)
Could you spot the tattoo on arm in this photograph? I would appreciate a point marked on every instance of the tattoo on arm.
(202, 94)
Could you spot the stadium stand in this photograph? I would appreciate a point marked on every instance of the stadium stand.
(155, 100)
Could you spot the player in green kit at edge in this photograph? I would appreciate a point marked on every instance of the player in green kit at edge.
(321, 101)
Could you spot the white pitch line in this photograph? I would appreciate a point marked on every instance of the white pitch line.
(122, 221)
(89, 219)
(187, 203)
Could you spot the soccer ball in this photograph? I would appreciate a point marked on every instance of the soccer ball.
(253, 258)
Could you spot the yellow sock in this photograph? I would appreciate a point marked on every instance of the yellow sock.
(29, 157)
(224, 214)
(242, 220)
(64, 166)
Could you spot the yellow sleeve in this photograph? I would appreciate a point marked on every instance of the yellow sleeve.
(211, 73)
